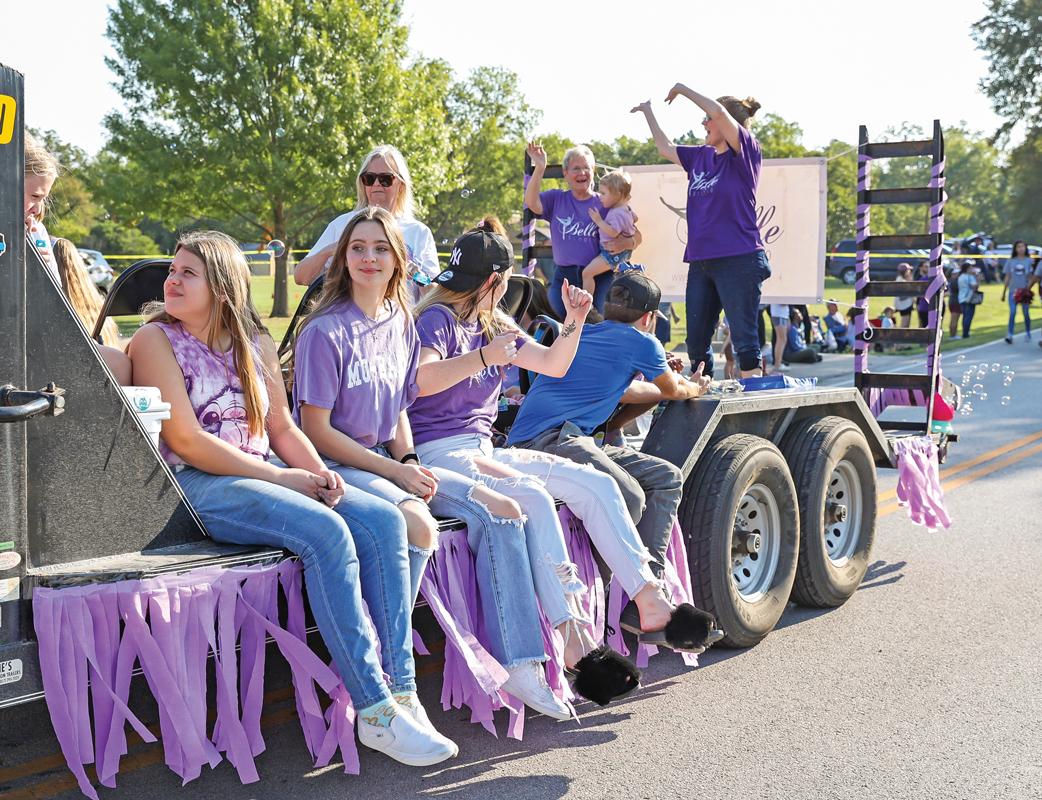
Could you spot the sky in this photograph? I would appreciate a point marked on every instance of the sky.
(829, 66)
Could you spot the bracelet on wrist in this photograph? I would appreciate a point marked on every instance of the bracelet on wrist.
(481, 353)
(410, 457)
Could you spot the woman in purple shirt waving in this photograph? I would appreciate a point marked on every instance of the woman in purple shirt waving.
(727, 262)
(573, 232)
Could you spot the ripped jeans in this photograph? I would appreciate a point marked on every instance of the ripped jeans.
(591, 495)
(508, 603)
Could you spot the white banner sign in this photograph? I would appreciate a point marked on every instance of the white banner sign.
(790, 212)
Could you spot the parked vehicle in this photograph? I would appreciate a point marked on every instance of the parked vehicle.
(1003, 251)
(101, 273)
(841, 262)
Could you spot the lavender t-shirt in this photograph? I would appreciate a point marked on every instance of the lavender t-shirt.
(621, 219)
(472, 404)
(721, 199)
(363, 371)
(215, 393)
(573, 235)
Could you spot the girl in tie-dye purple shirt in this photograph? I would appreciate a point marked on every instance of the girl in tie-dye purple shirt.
(215, 393)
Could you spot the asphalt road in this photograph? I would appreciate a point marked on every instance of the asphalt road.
(924, 685)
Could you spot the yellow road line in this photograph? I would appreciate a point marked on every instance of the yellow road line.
(890, 508)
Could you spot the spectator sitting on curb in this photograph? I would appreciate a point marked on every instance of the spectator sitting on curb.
(838, 327)
(796, 350)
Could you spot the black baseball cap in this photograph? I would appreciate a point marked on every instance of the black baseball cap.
(635, 291)
(475, 255)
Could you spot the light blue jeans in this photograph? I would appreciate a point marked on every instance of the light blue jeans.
(355, 551)
(388, 490)
(593, 496)
(1013, 316)
(505, 585)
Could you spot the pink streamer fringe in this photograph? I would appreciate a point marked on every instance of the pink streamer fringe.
(91, 637)
(919, 482)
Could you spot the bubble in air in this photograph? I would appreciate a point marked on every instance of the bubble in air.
(983, 395)
(466, 192)
(961, 358)
(1008, 380)
(996, 367)
(276, 247)
(280, 132)
(1006, 399)
(978, 388)
(966, 410)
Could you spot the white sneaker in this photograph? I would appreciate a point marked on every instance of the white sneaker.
(406, 741)
(419, 716)
(528, 684)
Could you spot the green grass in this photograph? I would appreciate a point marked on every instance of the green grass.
(989, 322)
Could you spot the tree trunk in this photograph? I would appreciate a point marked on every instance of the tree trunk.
(280, 305)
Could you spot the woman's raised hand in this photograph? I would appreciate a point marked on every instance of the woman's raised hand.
(677, 90)
(644, 108)
(537, 154)
(501, 350)
(577, 301)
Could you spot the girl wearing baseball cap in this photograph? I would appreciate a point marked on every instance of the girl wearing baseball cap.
(355, 361)
(465, 343)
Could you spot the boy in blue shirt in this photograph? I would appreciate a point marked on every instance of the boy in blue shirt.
(559, 415)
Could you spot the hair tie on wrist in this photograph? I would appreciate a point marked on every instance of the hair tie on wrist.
(481, 354)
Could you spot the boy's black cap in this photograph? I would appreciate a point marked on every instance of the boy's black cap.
(637, 292)
(475, 255)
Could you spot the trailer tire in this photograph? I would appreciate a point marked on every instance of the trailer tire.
(832, 468)
(739, 472)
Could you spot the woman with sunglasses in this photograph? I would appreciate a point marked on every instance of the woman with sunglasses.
(725, 254)
(383, 180)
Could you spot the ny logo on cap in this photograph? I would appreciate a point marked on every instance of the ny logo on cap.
(457, 254)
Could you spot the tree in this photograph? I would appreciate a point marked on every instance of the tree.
(1009, 35)
(779, 138)
(258, 112)
(488, 117)
(72, 211)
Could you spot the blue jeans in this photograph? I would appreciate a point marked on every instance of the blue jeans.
(354, 551)
(1013, 316)
(968, 310)
(373, 484)
(733, 284)
(602, 284)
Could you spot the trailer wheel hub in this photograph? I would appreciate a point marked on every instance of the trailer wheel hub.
(755, 542)
(843, 511)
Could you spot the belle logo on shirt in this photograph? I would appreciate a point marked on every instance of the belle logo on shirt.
(569, 227)
(700, 183)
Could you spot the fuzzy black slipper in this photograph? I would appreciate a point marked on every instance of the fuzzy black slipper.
(604, 674)
(689, 630)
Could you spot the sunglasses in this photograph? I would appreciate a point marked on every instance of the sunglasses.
(385, 178)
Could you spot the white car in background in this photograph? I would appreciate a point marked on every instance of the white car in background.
(98, 268)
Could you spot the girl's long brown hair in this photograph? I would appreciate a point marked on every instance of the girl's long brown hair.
(83, 297)
(231, 310)
(338, 286)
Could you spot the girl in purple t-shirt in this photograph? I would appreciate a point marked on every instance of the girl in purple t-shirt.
(355, 360)
(573, 233)
(215, 364)
(466, 342)
(727, 262)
